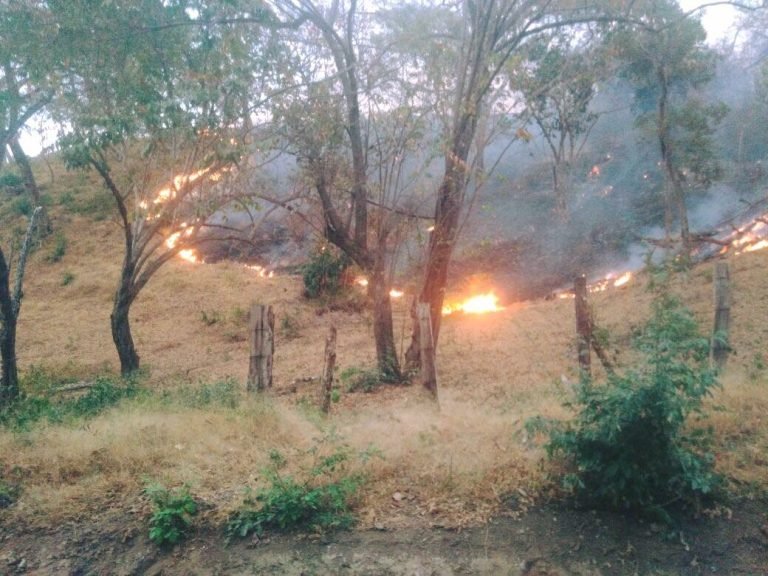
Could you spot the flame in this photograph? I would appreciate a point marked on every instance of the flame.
(261, 271)
(394, 293)
(361, 281)
(480, 304)
(622, 280)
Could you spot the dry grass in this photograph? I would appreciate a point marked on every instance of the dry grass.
(453, 466)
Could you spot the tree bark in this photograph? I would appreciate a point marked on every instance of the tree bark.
(326, 383)
(9, 379)
(722, 291)
(427, 350)
(121, 330)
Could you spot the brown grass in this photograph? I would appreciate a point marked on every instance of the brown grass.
(453, 466)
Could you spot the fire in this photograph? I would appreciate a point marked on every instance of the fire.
(394, 293)
(622, 280)
(261, 271)
(480, 304)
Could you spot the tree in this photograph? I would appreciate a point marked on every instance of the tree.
(491, 32)
(159, 107)
(353, 145)
(27, 76)
(558, 80)
(666, 59)
(10, 306)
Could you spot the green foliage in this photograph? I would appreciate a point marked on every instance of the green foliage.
(290, 327)
(59, 248)
(318, 498)
(360, 379)
(323, 273)
(21, 206)
(224, 393)
(67, 278)
(172, 517)
(209, 318)
(11, 183)
(631, 445)
(39, 401)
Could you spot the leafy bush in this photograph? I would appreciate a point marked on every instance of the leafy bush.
(172, 517)
(320, 499)
(21, 206)
(630, 445)
(11, 182)
(323, 273)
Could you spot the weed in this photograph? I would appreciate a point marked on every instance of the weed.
(319, 498)
(67, 278)
(59, 248)
(239, 316)
(364, 380)
(290, 327)
(210, 318)
(630, 446)
(11, 182)
(172, 517)
(224, 393)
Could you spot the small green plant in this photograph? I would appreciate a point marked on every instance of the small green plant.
(59, 248)
(8, 494)
(11, 182)
(290, 327)
(67, 278)
(21, 206)
(365, 379)
(239, 316)
(172, 517)
(323, 273)
(209, 318)
(40, 402)
(631, 445)
(319, 498)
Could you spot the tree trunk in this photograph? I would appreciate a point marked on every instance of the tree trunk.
(121, 331)
(9, 378)
(383, 329)
(427, 350)
(261, 325)
(583, 325)
(326, 382)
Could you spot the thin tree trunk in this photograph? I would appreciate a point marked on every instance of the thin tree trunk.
(383, 329)
(262, 329)
(427, 350)
(121, 331)
(326, 382)
(719, 348)
(583, 325)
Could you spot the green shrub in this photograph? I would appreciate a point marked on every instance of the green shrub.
(631, 445)
(21, 206)
(67, 278)
(172, 517)
(59, 248)
(323, 273)
(11, 182)
(318, 499)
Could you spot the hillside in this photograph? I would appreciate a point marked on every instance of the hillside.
(453, 467)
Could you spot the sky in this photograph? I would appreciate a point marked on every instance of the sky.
(717, 20)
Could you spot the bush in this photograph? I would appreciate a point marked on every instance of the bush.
(42, 404)
(320, 499)
(323, 273)
(630, 446)
(172, 517)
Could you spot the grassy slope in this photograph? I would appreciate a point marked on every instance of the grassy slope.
(454, 466)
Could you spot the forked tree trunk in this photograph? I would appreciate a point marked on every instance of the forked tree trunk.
(121, 331)
(30, 184)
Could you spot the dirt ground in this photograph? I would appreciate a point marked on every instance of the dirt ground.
(547, 540)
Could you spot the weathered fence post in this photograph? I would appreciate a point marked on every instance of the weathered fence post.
(427, 349)
(326, 382)
(718, 353)
(262, 330)
(583, 324)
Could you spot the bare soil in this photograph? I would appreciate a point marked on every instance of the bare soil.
(551, 540)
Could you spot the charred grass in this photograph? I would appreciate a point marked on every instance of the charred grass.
(193, 426)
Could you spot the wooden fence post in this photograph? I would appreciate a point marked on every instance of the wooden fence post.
(326, 382)
(583, 324)
(718, 353)
(262, 330)
(427, 349)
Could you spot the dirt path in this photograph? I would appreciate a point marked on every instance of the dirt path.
(547, 541)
